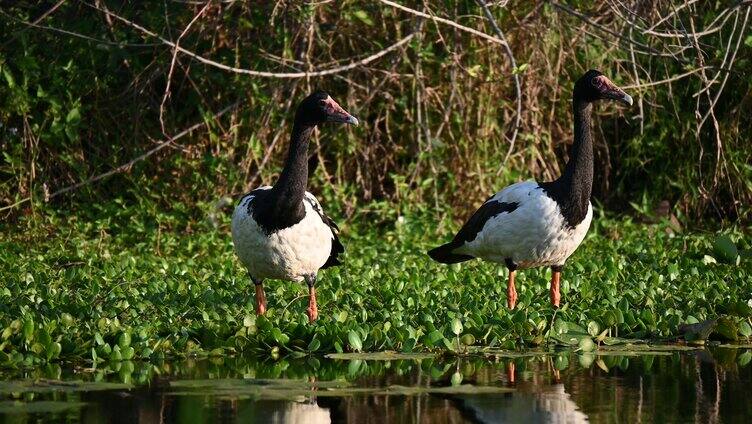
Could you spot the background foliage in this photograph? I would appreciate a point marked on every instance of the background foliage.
(84, 91)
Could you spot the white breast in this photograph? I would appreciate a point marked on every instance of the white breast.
(288, 254)
(534, 234)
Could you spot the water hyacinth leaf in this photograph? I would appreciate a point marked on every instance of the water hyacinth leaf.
(434, 337)
(593, 328)
(279, 336)
(745, 329)
(116, 355)
(727, 329)
(560, 326)
(43, 337)
(127, 353)
(456, 326)
(456, 379)
(314, 345)
(725, 250)
(451, 345)
(354, 340)
(53, 350)
(354, 367)
(28, 329)
(409, 345)
(468, 339)
(124, 339)
(249, 320)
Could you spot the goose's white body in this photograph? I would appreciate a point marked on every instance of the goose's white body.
(287, 254)
(534, 234)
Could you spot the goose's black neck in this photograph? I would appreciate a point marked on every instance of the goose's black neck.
(573, 188)
(293, 180)
(282, 206)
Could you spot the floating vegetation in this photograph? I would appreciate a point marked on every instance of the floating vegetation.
(106, 294)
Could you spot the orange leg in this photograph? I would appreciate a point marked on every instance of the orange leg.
(511, 291)
(260, 297)
(313, 310)
(555, 277)
(510, 372)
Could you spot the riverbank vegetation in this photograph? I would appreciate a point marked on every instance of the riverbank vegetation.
(130, 281)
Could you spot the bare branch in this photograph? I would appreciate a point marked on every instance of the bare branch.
(172, 66)
(517, 83)
(445, 21)
(251, 72)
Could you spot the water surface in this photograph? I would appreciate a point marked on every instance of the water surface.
(702, 385)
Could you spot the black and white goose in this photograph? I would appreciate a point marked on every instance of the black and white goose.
(530, 224)
(281, 232)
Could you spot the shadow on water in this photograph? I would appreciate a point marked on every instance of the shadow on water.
(660, 386)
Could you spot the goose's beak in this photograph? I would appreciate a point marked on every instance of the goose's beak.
(616, 93)
(335, 113)
(609, 90)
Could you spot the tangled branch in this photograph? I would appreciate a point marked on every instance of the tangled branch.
(313, 73)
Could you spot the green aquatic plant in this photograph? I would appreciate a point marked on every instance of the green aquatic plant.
(124, 282)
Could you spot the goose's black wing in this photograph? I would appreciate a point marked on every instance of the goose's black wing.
(469, 231)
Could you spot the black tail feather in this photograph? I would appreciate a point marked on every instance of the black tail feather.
(445, 254)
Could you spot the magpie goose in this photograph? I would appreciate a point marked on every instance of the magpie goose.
(531, 224)
(281, 232)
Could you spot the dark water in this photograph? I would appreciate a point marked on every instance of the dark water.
(712, 385)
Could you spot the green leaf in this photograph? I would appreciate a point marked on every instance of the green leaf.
(354, 340)
(468, 339)
(456, 378)
(43, 337)
(9, 77)
(124, 339)
(53, 350)
(408, 346)
(456, 326)
(745, 329)
(560, 326)
(593, 328)
(727, 329)
(279, 336)
(363, 17)
(73, 117)
(434, 337)
(127, 353)
(314, 345)
(28, 329)
(724, 249)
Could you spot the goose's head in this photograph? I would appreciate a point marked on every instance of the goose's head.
(595, 86)
(319, 107)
